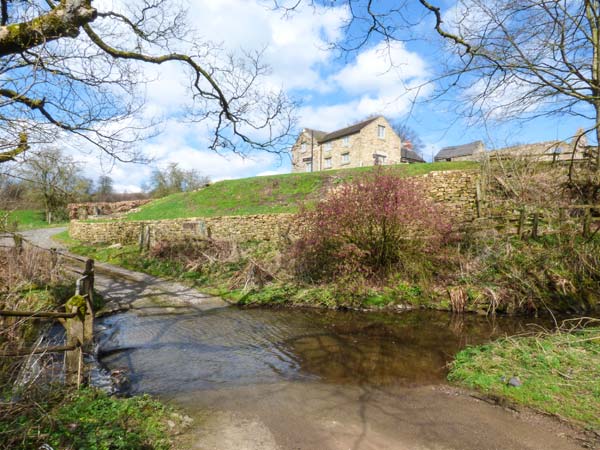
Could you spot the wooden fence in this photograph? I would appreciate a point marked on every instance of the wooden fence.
(77, 320)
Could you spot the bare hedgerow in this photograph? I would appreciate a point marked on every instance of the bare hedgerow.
(368, 228)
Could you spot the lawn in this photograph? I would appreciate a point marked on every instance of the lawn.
(269, 194)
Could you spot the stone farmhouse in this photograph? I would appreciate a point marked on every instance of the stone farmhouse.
(541, 151)
(367, 143)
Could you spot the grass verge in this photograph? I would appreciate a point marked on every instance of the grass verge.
(559, 373)
(88, 419)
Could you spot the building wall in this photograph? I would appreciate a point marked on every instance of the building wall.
(360, 148)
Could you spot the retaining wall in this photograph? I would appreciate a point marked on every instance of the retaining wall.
(455, 191)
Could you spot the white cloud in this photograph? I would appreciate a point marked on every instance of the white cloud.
(382, 80)
(384, 68)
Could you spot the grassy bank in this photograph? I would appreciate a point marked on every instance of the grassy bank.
(559, 373)
(43, 413)
(269, 194)
(495, 275)
(87, 419)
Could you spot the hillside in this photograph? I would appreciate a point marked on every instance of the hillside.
(263, 195)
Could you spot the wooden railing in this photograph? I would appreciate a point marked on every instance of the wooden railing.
(77, 320)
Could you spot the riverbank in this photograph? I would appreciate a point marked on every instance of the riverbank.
(36, 408)
(524, 256)
(555, 373)
(551, 274)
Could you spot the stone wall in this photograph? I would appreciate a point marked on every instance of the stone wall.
(454, 191)
(83, 210)
(263, 227)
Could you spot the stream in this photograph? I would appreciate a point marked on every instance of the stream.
(307, 379)
(267, 379)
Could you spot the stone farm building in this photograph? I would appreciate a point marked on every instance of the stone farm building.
(541, 151)
(367, 143)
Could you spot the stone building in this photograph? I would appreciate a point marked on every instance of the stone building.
(367, 143)
(540, 151)
(466, 152)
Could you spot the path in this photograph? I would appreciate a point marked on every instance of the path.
(321, 416)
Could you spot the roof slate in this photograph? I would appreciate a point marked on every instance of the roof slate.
(459, 150)
(318, 135)
(411, 155)
(352, 129)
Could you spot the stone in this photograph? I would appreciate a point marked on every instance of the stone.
(514, 382)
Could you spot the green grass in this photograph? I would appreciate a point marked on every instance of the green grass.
(559, 372)
(265, 195)
(28, 219)
(88, 419)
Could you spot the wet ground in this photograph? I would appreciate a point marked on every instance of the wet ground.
(296, 379)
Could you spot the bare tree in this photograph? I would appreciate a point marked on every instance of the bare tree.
(104, 188)
(407, 134)
(70, 67)
(173, 179)
(52, 179)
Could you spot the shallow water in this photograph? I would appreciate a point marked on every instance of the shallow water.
(168, 353)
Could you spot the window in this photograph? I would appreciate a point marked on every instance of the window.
(328, 146)
(308, 164)
(346, 158)
(381, 131)
(303, 147)
(328, 163)
(346, 141)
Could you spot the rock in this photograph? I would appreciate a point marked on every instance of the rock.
(515, 382)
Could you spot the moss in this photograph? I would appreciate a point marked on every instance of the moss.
(79, 302)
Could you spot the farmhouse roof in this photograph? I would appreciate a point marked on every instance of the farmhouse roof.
(411, 155)
(318, 135)
(352, 129)
(459, 150)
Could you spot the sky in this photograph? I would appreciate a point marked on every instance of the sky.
(333, 90)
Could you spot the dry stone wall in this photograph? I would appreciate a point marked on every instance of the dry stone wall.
(454, 191)
(264, 227)
(83, 210)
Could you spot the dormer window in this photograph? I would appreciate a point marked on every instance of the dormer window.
(381, 132)
(346, 141)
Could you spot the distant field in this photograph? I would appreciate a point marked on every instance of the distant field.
(28, 219)
(264, 195)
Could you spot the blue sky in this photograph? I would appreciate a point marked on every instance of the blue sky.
(335, 90)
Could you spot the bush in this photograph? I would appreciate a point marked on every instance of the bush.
(366, 228)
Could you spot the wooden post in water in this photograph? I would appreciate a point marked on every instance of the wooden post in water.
(88, 294)
(73, 358)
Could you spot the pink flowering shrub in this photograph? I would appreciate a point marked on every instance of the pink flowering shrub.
(368, 228)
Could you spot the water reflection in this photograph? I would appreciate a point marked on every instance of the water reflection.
(229, 346)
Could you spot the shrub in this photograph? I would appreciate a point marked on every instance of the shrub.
(366, 228)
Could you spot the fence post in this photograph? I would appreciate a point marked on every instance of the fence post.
(521, 224)
(478, 198)
(587, 222)
(73, 358)
(88, 294)
(535, 225)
